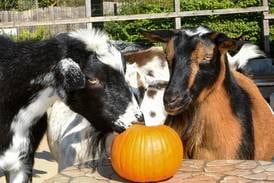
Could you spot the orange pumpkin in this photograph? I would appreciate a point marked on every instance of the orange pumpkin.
(147, 153)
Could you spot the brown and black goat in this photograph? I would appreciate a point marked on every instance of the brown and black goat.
(219, 113)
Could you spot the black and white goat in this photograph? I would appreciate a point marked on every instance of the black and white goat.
(82, 69)
(70, 135)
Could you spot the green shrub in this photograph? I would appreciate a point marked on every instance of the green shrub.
(271, 6)
(248, 25)
(39, 33)
(129, 30)
(187, 5)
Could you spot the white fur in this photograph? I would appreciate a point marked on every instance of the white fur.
(158, 67)
(10, 160)
(112, 58)
(94, 39)
(139, 76)
(69, 144)
(247, 52)
(129, 116)
(43, 79)
(98, 42)
(18, 176)
(155, 105)
(61, 146)
(68, 63)
(200, 31)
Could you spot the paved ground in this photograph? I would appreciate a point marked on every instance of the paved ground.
(44, 167)
(45, 170)
(195, 171)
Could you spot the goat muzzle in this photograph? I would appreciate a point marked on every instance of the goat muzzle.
(176, 104)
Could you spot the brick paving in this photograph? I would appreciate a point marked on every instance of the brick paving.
(223, 171)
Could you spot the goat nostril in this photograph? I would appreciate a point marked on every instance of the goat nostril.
(118, 129)
(172, 99)
(140, 118)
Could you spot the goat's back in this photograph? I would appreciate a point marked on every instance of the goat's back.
(263, 120)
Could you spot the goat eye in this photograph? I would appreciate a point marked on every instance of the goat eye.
(206, 60)
(94, 81)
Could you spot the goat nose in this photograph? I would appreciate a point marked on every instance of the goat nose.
(140, 118)
(171, 99)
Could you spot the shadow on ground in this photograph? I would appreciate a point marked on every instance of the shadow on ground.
(104, 168)
(36, 172)
(44, 155)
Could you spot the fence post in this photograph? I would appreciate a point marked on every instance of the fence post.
(88, 12)
(97, 9)
(177, 10)
(266, 30)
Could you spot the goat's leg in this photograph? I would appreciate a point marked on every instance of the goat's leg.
(6, 173)
(18, 176)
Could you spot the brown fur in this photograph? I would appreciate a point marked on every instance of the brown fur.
(217, 84)
(263, 119)
(201, 54)
(205, 134)
(170, 51)
(218, 136)
(141, 58)
(151, 93)
(152, 114)
(197, 55)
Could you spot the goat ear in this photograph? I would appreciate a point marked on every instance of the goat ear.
(158, 35)
(223, 42)
(228, 45)
(129, 47)
(69, 75)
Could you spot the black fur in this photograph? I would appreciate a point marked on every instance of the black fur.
(240, 104)
(104, 108)
(22, 63)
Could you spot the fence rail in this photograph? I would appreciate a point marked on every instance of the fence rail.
(269, 16)
(134, 17)
(67, 18)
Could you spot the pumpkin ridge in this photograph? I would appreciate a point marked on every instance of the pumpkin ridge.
(163, 163)
(143, 147)
(177, 143)
(123, 139)
(131, 158)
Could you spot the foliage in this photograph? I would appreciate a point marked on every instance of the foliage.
(271, 6)
(129, 30)
(247, 25)
(233, 25)
(187, 5)
(21, 5)
(70, 3)
(8, 4)
(38, 34)
(47, 3)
